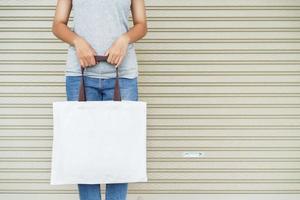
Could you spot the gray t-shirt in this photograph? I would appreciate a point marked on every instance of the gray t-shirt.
(100, 23)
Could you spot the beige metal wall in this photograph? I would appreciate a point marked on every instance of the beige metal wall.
(220, 77)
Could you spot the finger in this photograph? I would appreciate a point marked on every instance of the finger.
(81, 63)
(117, 57)
(120, 61)
(94, 51)
(117, 60)
(113, 60)
(85, 63)
(92, 60)
(109, 58)
(107, 52)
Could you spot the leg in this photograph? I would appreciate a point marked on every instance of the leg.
(86, 191)
(129, 91)
(89, 191)
(116, 191)
(91, 88)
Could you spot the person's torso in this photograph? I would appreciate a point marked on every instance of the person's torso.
(100, 23)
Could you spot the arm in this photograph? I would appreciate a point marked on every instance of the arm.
(118, 50)
(139, 29)
(84, 51)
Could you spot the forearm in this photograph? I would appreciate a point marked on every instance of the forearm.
(136, 32)
(64, 33)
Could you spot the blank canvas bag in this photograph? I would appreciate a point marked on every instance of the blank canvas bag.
(99, 141)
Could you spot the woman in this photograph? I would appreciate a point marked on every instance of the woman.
(101, 28)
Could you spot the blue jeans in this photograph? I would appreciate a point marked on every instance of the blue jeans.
(98, 89)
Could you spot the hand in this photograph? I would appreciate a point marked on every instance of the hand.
(117, 51)
(84, 52)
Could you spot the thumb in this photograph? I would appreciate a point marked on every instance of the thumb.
(94, 52)
(107, 52)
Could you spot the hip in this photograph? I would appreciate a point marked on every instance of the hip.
(101, 88)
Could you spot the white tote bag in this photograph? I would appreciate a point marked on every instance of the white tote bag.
(99, 141)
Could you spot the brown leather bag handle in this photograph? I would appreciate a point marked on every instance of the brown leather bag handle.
(82, 94)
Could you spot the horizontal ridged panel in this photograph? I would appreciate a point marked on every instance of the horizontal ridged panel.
(220, 77)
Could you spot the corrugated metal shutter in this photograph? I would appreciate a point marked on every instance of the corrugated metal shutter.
(220, 77)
